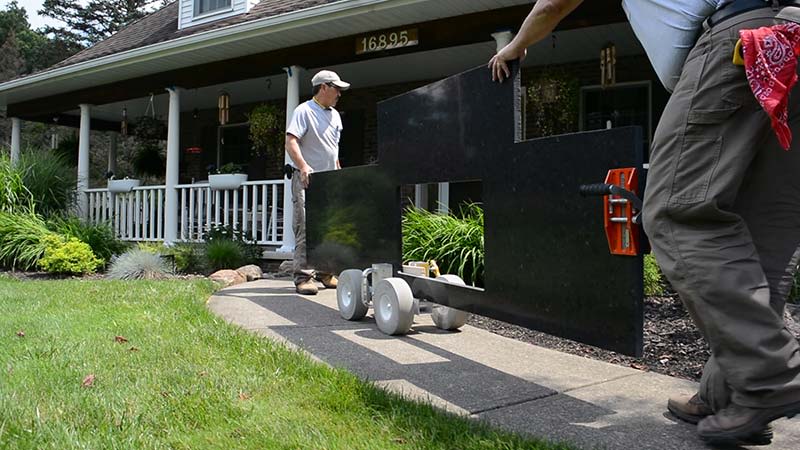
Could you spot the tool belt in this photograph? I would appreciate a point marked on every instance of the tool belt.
(742, 6)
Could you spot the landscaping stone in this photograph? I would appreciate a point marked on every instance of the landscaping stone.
(251, 272)
(286, 268)
(228, 277)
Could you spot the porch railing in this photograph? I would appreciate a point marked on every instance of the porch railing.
(256, 209)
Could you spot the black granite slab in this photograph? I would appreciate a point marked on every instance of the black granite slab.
(547, 261)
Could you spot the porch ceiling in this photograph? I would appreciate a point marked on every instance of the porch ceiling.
(571, 46)
(318, 24)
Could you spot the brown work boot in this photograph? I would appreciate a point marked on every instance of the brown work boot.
(690, 409)
(329, 281)
(306, 287)
(739, 424)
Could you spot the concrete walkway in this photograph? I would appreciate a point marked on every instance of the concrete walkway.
(510, 384)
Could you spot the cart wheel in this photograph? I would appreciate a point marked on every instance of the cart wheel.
(348, 295)
(445, 317)
(393, 305)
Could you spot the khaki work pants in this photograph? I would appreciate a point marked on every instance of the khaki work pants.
(301, 273)
(722, 211)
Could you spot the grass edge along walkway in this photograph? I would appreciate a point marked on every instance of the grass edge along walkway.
(107, 364)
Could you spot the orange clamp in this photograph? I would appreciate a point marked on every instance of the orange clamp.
(621, 232)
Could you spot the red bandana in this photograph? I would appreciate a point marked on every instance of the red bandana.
(770, 61)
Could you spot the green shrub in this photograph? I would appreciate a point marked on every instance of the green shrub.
(100, 237)
(225, 254)
(652, 276)
(228, 248)
(138, 264)
(21, 239)
(189, 258)
(68, 255)
(14, 196)
(456, 243)
(51, 180)
(794, 294)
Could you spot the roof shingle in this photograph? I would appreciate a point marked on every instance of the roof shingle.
(162, 26)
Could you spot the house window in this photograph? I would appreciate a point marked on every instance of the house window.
(206, 6)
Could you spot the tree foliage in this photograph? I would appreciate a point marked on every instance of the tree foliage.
(89, 23)
(25, 50)
(12, 63)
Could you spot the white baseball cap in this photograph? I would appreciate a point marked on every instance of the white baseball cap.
(327, 76)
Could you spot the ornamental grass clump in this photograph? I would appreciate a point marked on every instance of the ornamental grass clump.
(228, 248)
(14, 196)
(454, 241)
(68, 255)
(51, 179)
(22, 239)
(139, 264)
(225, 254)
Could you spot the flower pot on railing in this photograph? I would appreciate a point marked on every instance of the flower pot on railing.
(122, 186)
(226, 181)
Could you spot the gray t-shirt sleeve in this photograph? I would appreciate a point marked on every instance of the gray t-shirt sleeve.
(299, 124)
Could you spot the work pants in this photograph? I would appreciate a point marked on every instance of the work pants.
(722, 211)
(301, 272)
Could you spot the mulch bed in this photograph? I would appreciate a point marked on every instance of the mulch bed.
(672, 344)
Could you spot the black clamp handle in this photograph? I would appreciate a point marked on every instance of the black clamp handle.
(603, 189)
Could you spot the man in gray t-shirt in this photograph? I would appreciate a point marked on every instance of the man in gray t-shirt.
(312, 142)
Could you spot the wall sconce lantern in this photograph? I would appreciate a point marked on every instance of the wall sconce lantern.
(123, 126)
(608, 66)
(224, 105)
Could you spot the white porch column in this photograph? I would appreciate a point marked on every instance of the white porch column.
(443, 204)
(421, 196)
(83, 161)
(16, 139)
(502, 38)
(112, 154)
(173, 167)
(292, 101)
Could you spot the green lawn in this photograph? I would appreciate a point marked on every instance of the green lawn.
(185, 379)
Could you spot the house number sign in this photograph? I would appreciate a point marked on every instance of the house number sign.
(387, 40)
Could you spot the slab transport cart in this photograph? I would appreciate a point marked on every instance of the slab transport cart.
(547, 261)
(395, 305)
(391, 297)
